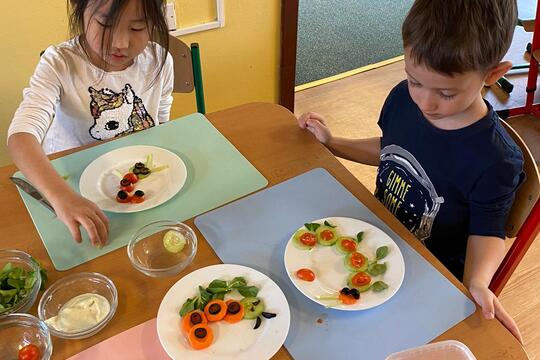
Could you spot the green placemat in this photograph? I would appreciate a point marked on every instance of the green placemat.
(217, 174)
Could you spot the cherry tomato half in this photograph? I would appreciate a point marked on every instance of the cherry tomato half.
(361, 279)
(357, 259)
(29, 352)
(348, 244)
(128, 188)
(138, 197)
(305, 274)
(308, 239)
(131, 177)
(327, 235)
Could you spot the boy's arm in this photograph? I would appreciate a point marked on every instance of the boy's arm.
(365, 151)
(71, 208)
(484, 254)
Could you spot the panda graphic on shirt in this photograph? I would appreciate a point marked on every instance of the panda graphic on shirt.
(405, 189)
(117, 113)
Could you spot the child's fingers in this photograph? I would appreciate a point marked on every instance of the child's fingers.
(488, 309)
(102, 229)
(74, 230)
(91, 229)
(507, 320)
(318, 117)
(302, 120)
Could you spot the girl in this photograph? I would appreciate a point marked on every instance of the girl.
(111, 79)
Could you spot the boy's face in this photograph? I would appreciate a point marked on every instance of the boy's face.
(128, 38)
(441, 97)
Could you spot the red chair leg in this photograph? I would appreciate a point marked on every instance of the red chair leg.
(524, 239)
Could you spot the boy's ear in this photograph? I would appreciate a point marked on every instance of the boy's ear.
(497, 72)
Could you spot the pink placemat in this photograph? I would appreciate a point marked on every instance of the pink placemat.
(138, 343)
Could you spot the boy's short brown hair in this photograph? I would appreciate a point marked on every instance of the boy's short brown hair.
(457, 36)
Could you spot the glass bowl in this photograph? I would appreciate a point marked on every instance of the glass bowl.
(66, 289)
(148, 253)
(20, 259)
(19, 330)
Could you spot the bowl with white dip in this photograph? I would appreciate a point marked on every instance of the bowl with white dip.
(79, 305)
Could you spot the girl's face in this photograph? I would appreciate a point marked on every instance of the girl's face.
(127, 38)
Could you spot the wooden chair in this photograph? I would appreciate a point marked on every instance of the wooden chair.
(187, 70)
(524, 219)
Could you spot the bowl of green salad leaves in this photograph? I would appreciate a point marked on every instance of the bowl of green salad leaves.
(20, 281)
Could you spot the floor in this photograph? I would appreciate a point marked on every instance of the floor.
(351, 107)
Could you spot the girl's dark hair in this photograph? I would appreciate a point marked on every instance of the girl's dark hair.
(153, 12)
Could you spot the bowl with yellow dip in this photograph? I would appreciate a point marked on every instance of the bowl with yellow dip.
(79, 305)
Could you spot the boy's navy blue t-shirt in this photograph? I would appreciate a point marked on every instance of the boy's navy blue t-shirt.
(445, 185)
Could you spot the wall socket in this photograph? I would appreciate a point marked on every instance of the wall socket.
(170, 14)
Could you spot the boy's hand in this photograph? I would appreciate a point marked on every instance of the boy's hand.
(315, 124)
(74, 210)
(491, 307)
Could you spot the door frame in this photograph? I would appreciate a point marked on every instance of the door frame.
(287, 70)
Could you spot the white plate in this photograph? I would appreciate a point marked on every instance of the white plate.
(330, 271)
(99, 184)
(231, 341)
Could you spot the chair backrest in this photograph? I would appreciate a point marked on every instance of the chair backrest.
(528, 193)
(524, 219)
(187, 70)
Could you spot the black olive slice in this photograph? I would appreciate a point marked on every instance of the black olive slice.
(122, 195)
(195, 318)
(233, 307)
(139, 165)
(214, 309)
(139, 193)
(257, 323)
(200, 333)
(268, 315)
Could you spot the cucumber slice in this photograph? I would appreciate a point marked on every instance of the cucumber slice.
(342, 249)
(253, 307)
(299, 234)
(173, 241)
(326, 235)
(357, 256)
(362, 288)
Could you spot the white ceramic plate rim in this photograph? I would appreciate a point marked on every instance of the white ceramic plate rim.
(174, 177)
(275, 333)
(374, 237)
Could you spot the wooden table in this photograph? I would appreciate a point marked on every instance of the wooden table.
(267, 135)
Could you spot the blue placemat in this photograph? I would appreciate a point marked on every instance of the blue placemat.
(253, 231)
(217, 173)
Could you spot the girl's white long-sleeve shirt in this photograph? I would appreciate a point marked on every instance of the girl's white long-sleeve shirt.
(71, 102)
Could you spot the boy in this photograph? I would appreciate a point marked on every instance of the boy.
(446, 167)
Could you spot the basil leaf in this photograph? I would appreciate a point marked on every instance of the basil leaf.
(360, 236)
(237, 282)
(218, 286)
(312, 226)
(379, 286)
(220, 296)
(248, 291)
(188, 306)
(328, 224)
(376, 269)
(381, 252)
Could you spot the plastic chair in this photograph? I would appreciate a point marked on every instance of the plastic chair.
(524, 218)
(187, 70)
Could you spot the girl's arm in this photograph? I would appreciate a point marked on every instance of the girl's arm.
(365, 151)
(71, 208)
(484, 254)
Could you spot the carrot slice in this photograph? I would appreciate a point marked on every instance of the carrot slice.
(188, 322)
(234, 318)
(200, 336)
(347, 299)
(215, 310)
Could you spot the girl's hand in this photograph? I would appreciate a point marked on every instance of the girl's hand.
(491, 307)
(74, 210)
(316, 125)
